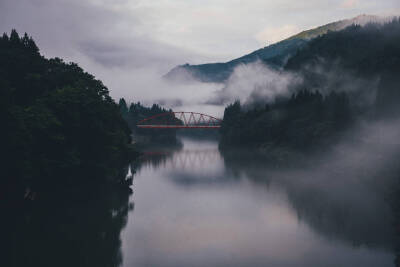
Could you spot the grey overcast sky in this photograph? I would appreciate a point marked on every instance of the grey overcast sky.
(118, 40)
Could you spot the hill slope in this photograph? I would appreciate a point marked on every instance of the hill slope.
(314, 117)
(274, 55)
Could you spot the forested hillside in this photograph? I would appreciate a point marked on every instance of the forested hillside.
(364, 52)
(57, 120)
(305, 120)
(328, 100)
(274, 55)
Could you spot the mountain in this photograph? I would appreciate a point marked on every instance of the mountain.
(348, 76)
(275, 55)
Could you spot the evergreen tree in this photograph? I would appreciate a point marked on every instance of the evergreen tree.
(14, 37)
(123, 107)
(58, 121)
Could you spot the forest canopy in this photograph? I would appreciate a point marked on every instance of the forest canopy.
(327, 102)
(58, 120)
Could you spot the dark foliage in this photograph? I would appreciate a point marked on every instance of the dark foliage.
(57, 120)
(64, 227)
(372, 50)
(305, 120)
(368, 49)
(137, 112)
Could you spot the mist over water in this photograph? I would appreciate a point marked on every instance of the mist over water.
(197, 207)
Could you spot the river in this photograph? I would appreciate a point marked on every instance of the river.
(191, 209)
(193, 206)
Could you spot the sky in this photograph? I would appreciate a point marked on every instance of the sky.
(130, 44)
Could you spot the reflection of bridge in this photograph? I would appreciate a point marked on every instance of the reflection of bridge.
(184, 160)
(178, 120)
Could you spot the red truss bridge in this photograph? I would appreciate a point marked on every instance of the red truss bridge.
(180, 120)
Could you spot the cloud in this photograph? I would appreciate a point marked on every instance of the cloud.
(327, 76)
(130, 44)
(106, 39)
(255, 83)
(272, 35)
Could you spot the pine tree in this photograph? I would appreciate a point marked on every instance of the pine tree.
(123, 107)
(14, 37)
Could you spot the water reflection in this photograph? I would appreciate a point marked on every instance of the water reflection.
(241, 210)
(196, 206)
(186, 166)
(79, 227)
(342, 201)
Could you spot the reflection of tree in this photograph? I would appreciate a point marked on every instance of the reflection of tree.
(347, 203)
(156, 155)
(365, 221)
(74, 227)
(394, 200)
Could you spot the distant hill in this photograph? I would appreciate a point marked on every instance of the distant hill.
(275, 55)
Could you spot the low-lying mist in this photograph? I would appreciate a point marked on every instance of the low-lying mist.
(254, 83)
(343, 192)
(257, 83)
(146, 85)
(251, 84)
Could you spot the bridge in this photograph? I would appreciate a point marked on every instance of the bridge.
(180, 120)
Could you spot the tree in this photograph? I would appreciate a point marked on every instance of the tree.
(123, 107)
(14, 37)
(58, 122)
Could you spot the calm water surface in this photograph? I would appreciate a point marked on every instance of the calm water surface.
(192, 207)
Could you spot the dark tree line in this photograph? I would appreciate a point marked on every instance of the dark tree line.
(137, 112)
(58, 122)
(300, 122)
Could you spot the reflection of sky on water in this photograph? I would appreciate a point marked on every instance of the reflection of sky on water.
(205, 216)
